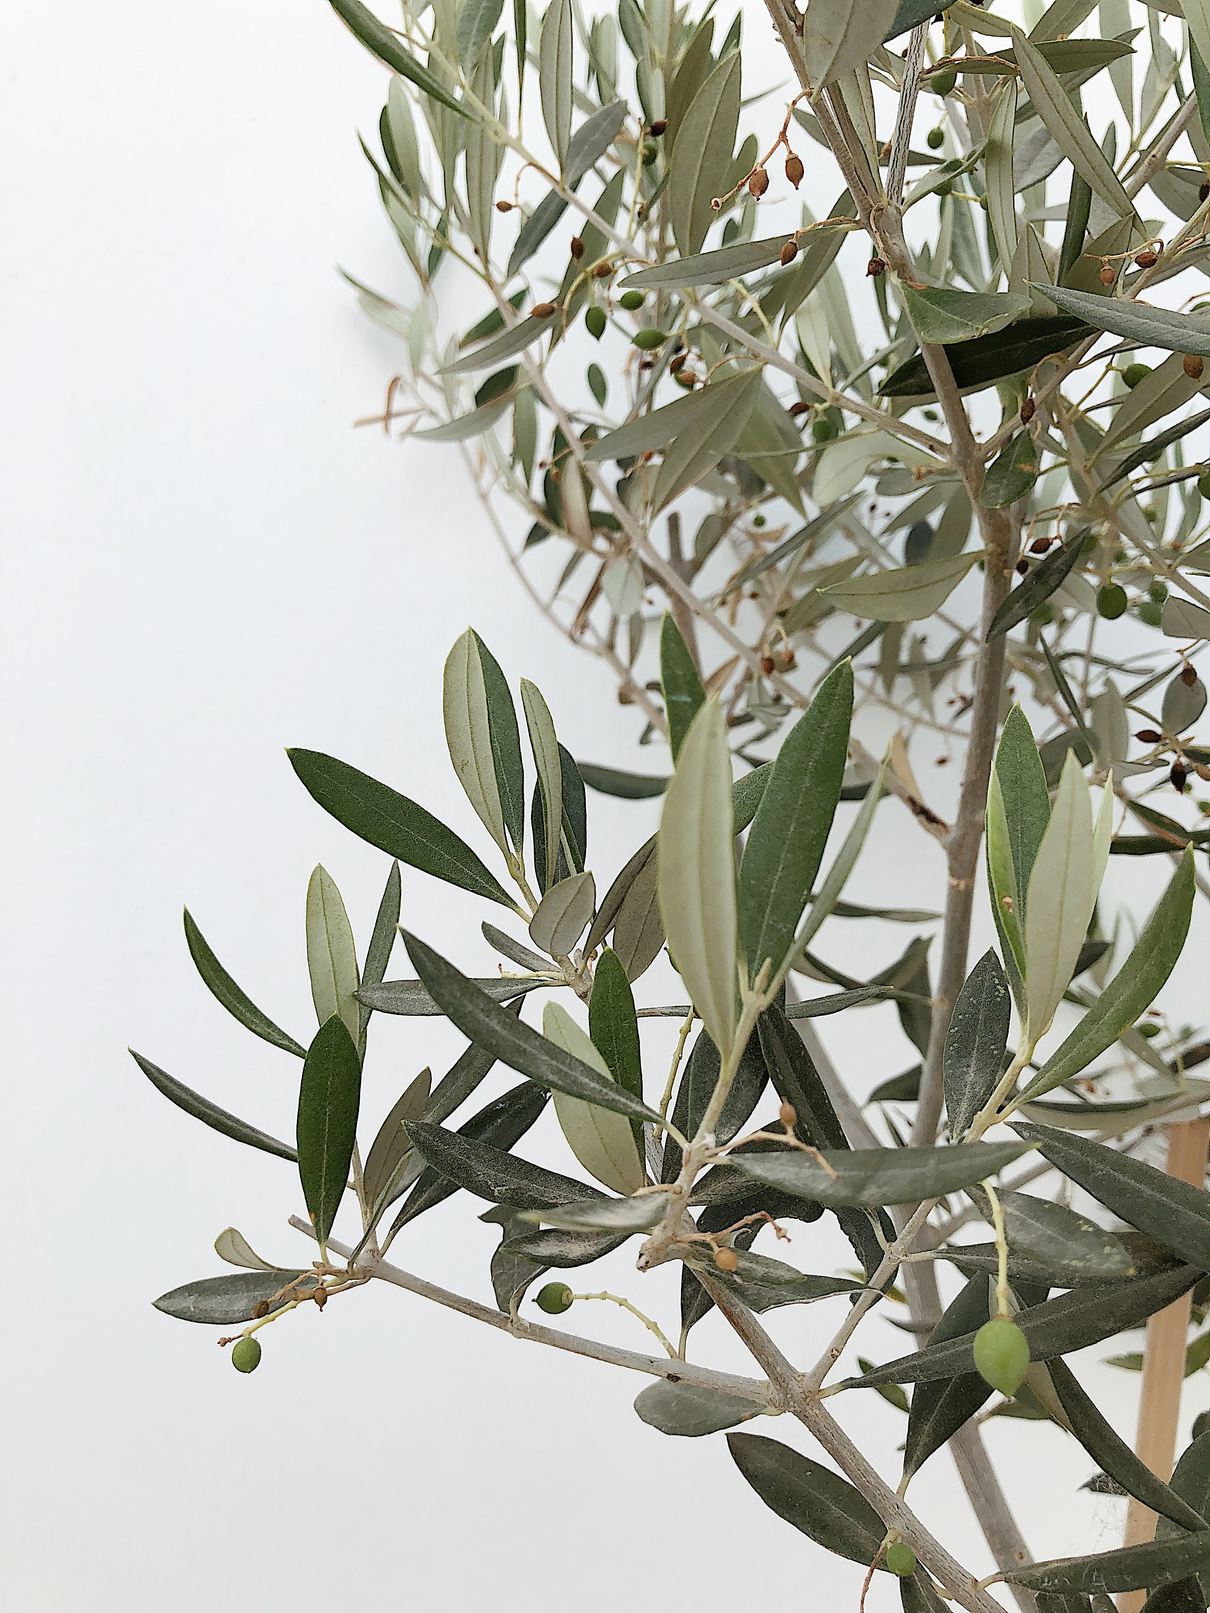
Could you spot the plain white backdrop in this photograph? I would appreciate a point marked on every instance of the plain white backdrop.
(203, 563)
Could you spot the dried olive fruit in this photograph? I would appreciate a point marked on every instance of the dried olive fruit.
(660, 126)
(1147, 259)
(1111, 601)
(631, 300)
(1193, 365)
(935, 139)
(901, 1560)
(555, 1298)
(594, 321)
(1107, 274)
(1028, 409)
(1002, 1355)
(245, 1355)
(794, 169)
(1134, 373)
(789, 252)
(726, 1259)
(649, 338)
(758, 182)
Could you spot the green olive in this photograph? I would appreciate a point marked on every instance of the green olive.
(630, 300)
(1002, 1355)
(935, 139)
(943, 83)
(245, 1355)
(594, 322)
(1159, 592)
(650, 152)
(901, 1560)
(555, 1298)
(1151, 613)
(1111, 601)
(1134, 373)
(649, 338)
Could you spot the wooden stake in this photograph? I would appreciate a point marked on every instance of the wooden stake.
(1164, 1359)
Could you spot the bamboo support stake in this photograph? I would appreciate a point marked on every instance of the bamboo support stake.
(1164, 1358)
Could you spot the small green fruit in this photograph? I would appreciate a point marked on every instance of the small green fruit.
(942, 83)
(935, 139)
(649, 338)
(245, 1355)
(649, 153)
(631, 300)
(758, 520)
(1111, 601)
(1002, 1355)
(555, 1298)
(594, 322)
(1148, 1029)
(901, 1560)
(1159, 592)
(1134, 373)
(1151, 613)
(1203, 484)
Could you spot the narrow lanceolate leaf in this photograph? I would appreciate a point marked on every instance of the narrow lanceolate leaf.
(815, 1500)
(331, 955)
(1022, 783)
(497, 1031)
(711, 268)
(588, 145)
(1069, 1322)
(1113, 1455)
(544, 744)
(393, 823)
(603, 1142)
(1135, 321)
(786, 842)
(475, 23)
(468, 733)
(563, 915)
(1160, 1562)
(940, 1408)
(382, 42)
(209, 1113)
(701, 157)
(1040, 584)
(1011, 474)
(227, 1300)
(939, 314)
(1001, 190)
(463, 1078)
(505, 346)
(908, 595)
(681, 683)
(614, 1028)
(1175, 1213)
(697, 873)
(392, 1142)
(986, 359)
(382, 940)
(826, 899)
(1058, 113)
(492, 1173)
(236, 1002)
(696, 414)
(973, 1058)
(410, 997)
(1062, 1243)
(688, 1411)
(1131, 990)
(1062, 895)
(877, 1176)
(555, 75)
(328, 1101)
(841, 35)
(497, 1128)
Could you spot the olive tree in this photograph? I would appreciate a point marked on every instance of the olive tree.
(940, 495)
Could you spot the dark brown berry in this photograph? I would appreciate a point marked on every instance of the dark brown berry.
(758, 181)
(1203, 191)
(1148, 736)
(1107, 276)
(794, 169)
(1188, 676)
(678, 363)
(504, 207)
(577, 247)
(874, 268)
(798, 408)
(1028, 409)
(1039, 546)
(1193, 365)
(1022, 567)
(543, 310)
(789, 252)
(766, 665)
(1177, 777)
(659, 127)
(1147, 259)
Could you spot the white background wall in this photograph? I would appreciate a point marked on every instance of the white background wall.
(202, 564)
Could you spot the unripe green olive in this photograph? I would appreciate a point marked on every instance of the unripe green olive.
(1148, 1029)
(245, 1355)
(649, 153)
(1134, 373)
(630, 300)
(943, 83)
(1002, 1355)
(935, 139)
(1151, 613)
(1159, 592)
(649, 338)
(1111, 601)
(555, 1298)
(594, 322)
(901, 1560)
